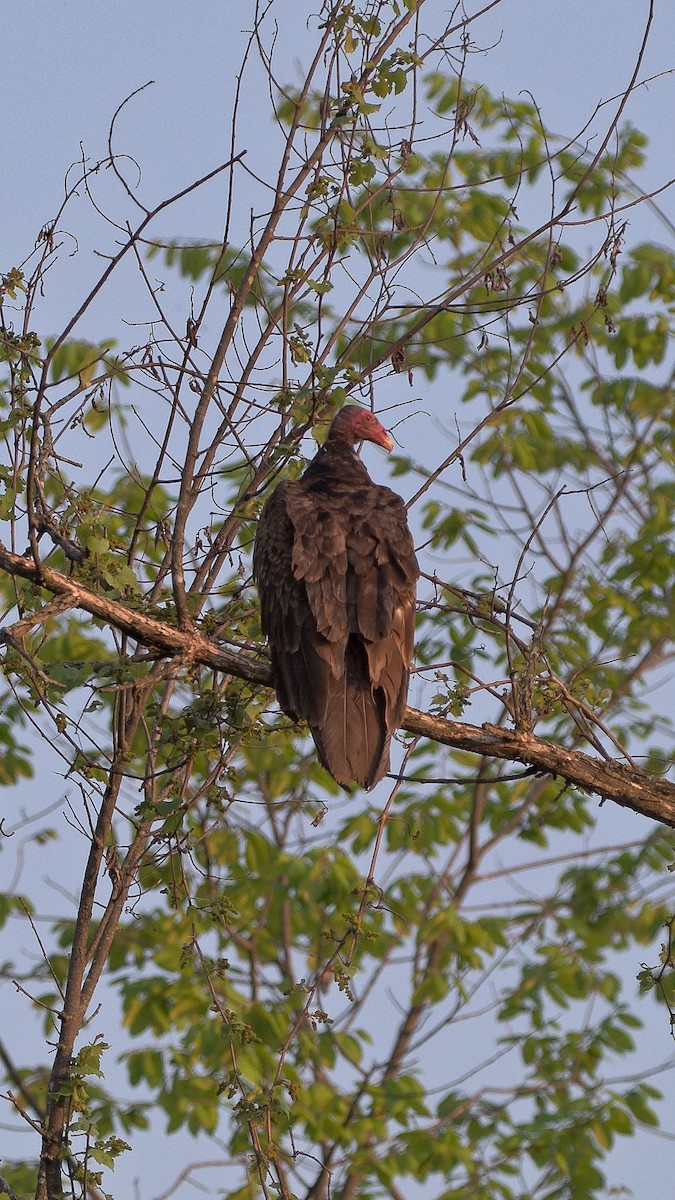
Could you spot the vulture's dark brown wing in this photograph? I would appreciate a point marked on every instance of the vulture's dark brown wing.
(336, 574)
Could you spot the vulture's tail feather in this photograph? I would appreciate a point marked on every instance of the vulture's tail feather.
(352, 740)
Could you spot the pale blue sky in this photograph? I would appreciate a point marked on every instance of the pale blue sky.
(68, 64)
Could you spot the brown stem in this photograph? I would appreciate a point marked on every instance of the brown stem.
(78, 990)
(630, 787)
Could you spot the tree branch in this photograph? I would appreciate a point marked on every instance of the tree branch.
(629, 787)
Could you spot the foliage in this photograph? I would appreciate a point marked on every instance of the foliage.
(295, 969)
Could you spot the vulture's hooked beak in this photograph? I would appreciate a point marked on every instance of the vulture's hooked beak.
(382, 438)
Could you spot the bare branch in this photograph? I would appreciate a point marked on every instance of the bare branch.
(627, 786)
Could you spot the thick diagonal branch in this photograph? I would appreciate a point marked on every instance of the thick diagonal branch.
(628, 786)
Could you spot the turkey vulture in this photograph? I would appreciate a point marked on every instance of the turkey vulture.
(336, 570)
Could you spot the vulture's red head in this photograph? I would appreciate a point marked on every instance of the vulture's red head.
(353, 424)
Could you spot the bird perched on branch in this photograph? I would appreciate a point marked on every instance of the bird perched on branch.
(336, 571)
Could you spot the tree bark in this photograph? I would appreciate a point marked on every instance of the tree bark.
(611, 780)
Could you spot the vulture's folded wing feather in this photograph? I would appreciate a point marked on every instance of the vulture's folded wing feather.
(336, 572)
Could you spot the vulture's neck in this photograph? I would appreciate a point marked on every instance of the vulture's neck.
(336, 461)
